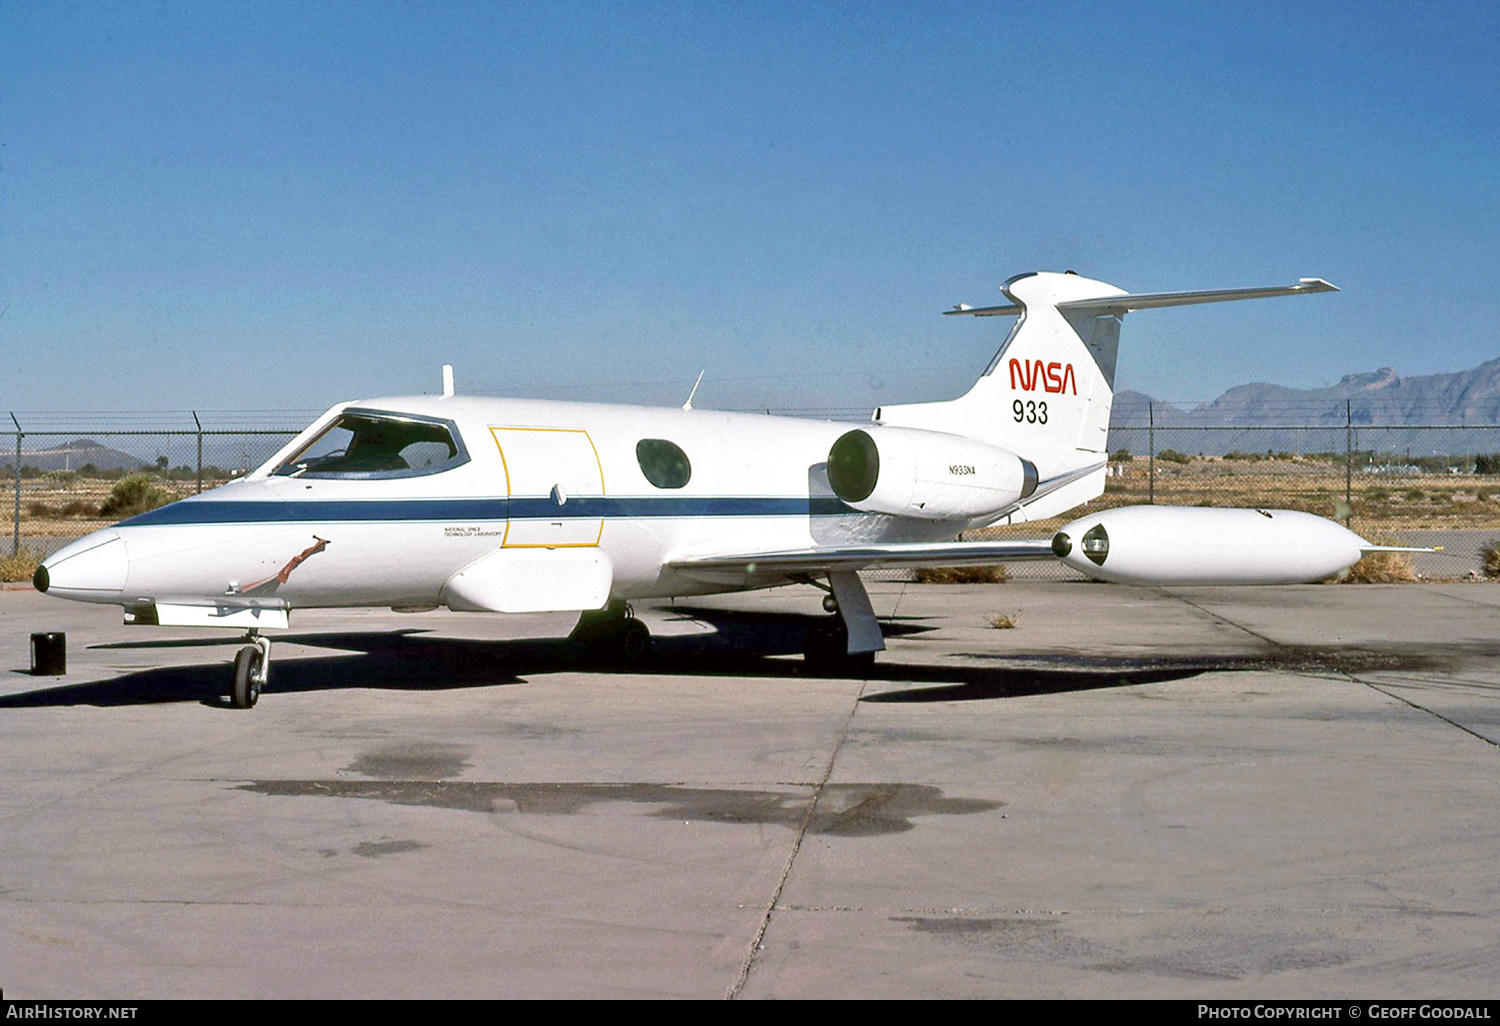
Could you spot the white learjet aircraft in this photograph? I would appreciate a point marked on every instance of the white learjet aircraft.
(519, 506)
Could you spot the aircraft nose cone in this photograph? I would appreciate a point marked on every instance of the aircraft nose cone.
(91, 568)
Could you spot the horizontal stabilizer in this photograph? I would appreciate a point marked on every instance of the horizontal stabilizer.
(1149, 300)
(1008, 310)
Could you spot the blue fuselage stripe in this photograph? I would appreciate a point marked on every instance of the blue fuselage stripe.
(213, 511)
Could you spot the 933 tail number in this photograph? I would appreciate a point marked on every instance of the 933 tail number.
(1029, 412)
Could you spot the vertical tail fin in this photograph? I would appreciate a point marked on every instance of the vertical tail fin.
(1050, 386)
(1047, 393)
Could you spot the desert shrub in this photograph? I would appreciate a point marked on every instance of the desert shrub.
(19, 567)
(71, 508)
(134, 494)
(1381, 567)
(960, 575)
(1173, 456)
(1121, 456)
(1490, 553)
(1003, 621)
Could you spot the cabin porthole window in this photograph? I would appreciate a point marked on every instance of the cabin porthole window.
(664, 463)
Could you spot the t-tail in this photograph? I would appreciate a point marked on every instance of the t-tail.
(1047, 393)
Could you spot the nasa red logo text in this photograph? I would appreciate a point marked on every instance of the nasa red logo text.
(1026, 375)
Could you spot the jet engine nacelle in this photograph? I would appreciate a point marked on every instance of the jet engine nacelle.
(909, 472)
(1203, 545)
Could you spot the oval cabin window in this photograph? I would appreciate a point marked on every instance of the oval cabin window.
(664, 463)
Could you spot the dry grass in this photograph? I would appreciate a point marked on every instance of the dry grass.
(1491, 556)
(1380, 567)
(960, 575)
(20, 566)
(1003, 621)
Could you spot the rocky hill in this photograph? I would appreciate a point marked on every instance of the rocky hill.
(1376, 397)
(74, 455)
(1391, 412)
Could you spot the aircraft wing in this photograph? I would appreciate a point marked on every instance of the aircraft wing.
(835, 558)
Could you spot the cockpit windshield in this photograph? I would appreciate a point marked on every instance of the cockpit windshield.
(373, 444)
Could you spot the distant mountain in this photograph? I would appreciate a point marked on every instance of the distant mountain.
(1376, 397)
(72, 455)
(1136, 409)
(1377, 403)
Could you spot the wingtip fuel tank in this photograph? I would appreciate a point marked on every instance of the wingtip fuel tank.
(1156, 545)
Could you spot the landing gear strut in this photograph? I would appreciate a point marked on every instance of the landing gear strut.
(845, 644)
(827, 652)
(613, 634)
(252, 664)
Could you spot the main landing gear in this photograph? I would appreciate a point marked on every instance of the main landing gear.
(613, 635)
(845, 644)
(827, 652)
(252, 664)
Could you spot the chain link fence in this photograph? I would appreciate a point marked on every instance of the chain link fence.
(1391, 483)
(67, 473)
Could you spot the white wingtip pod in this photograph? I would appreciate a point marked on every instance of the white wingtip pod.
(1156, 545)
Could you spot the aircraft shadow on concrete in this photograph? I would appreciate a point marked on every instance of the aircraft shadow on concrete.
(741, 644)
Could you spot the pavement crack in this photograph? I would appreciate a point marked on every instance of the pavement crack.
(1221, 618)
(786, 870)
(1373, 686)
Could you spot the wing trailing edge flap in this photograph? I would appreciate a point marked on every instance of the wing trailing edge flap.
(835, 559)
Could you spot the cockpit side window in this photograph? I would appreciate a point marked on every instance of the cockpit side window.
(369, 444)
(664, 463)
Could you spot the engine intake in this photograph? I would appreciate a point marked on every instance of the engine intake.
(909, 472)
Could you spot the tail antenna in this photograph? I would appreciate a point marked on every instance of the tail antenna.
(689, 404)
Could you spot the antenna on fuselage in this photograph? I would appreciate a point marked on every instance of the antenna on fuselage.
(689, 404)
(447, 381)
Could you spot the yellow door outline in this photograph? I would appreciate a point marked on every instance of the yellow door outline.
(505, 541)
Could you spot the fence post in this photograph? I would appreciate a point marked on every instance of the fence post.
(1349, 462)
(200, 451)
(1151, 453)
(15, 537)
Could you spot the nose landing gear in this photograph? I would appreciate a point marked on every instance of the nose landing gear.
(252, 665)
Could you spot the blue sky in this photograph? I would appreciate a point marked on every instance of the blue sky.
(282, 205)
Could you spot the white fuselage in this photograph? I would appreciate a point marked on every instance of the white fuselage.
(539, 475)
(523, 506)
